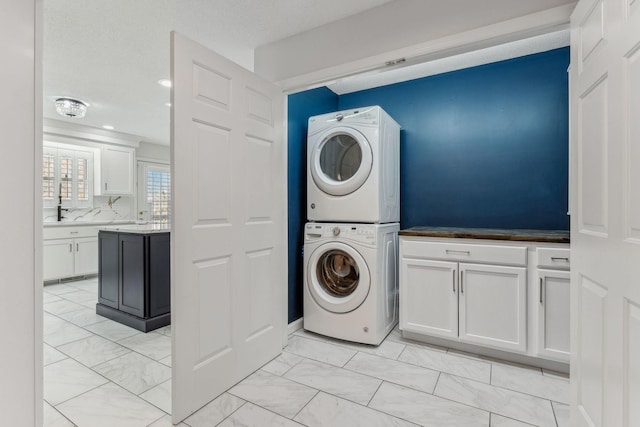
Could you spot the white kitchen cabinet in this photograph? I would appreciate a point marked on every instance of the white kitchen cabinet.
(86, 256)
(553, 304)
(69, 252)
(493, 306)
(58, 259)
(117, 171)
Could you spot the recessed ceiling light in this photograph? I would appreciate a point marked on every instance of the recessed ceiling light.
(164, 82)
(168, 104)
(108, 127)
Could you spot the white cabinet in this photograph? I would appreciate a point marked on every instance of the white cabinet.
(493, 306)
(553, 304)
(429, 297)
(58, 259)
(86, 256)
(117, 171)
(475, 303)
(484, 294)
(69, 252)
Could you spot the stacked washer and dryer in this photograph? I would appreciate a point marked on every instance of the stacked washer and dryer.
(351, 239)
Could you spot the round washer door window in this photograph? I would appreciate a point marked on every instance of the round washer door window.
(339, 277)
(341, 161)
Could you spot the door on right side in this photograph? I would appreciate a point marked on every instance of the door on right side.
(605, 213)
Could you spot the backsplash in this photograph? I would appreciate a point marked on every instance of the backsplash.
(106, 208)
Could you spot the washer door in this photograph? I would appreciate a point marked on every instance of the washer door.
(341, 161)
(338, 277)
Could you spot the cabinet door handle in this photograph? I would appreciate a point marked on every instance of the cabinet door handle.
(73, 232)
(541, 290)
(454, 281)
(70, 247)
(451, 251)
(556, 258)
(105, 186)
(77, 247)
(461, 282)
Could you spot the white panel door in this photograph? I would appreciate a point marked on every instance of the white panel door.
(493, 306)
(429, 297)
(605, 208)
(228, 236)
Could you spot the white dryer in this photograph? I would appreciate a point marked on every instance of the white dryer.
(351, 280)
(353, 167)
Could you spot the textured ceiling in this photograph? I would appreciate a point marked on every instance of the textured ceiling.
(111, 53)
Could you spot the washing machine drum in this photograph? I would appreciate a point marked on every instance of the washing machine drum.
(341, 161)
(338, 277)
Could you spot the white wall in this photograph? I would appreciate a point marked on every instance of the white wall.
(405, 27)
(20, 252)
(150, 152)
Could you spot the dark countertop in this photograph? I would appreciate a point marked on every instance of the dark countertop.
(548, 236)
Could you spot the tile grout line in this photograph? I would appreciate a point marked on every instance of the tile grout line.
(553, 411)
(305, 405)
(374, 394)
(394, 382)
(61, 414)
(485, 410)
(158, 419)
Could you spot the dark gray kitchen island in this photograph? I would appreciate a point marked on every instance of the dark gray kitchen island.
(134, 275)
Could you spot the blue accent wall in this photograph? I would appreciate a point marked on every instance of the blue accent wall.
(301, 106)
(482, 147)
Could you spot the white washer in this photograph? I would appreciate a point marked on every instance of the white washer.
(351, 280)
(353, 167)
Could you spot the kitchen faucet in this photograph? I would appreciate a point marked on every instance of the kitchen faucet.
(60, 209)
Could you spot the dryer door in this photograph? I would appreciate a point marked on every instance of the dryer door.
(338, 277)
(340, 161)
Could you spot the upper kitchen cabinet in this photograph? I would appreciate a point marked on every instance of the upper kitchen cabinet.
(117, 170)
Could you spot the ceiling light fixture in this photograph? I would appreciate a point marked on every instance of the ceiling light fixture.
(73, 108)
(108, 127)
(164, 82)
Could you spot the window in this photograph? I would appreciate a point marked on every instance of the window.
(67, 176)
(48, 176)
(154, 193)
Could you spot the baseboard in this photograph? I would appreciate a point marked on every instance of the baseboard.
(295, 325)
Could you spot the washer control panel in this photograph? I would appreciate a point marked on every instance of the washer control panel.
(356, 232)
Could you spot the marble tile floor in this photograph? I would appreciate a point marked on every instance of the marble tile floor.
(100, 373)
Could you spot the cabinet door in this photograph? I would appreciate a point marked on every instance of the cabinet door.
(58, 259)
(159, 274)
(108, 269)
(117, 170)
(86, 256)
(493, 306)
(553, 314)
(429, 297)
(132, 274)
